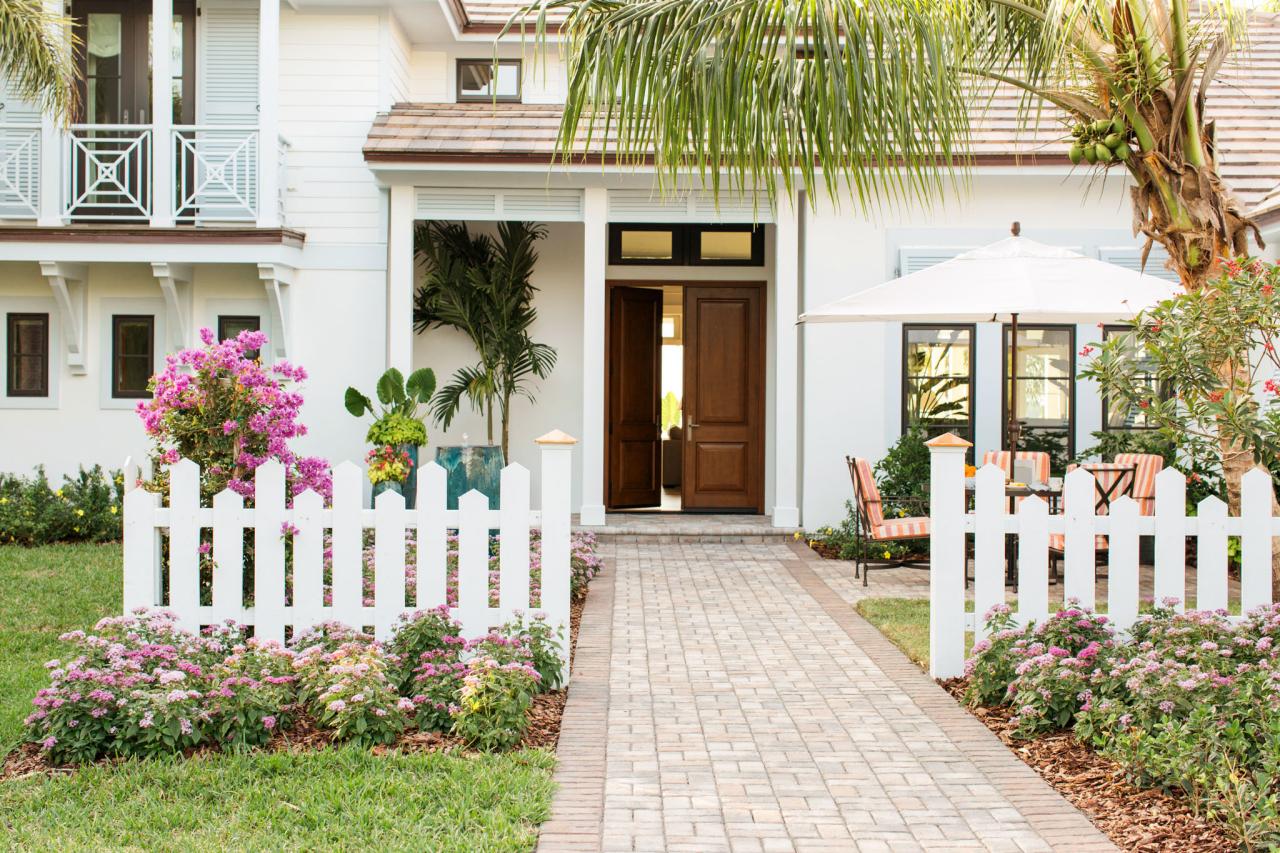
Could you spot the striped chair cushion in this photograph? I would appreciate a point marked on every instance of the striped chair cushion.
(868, 494)
(1106, 480)
(902, 528)
(1005, 460)
(1144, 486)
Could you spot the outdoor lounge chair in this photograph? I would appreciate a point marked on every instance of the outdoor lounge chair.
(1111, 481)
(1004, 459)
(870, 524)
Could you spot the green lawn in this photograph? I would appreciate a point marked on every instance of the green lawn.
(905, 621)
(331, 799)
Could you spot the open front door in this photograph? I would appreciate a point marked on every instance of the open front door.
(724, 397)
(635, 374)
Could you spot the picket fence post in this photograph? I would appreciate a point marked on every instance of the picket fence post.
(347, 581)
(473, 563)
(1078, 579)
(513, 560)
(433, 538)
(141, 554)
(988, 544)
(557, 479)
(1122, 566)
(1255, 539)
(184, 540)
(1171, 538)
(946, 555)
(388, 562)
(268, 551)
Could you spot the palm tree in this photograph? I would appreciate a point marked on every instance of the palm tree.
(35, 56)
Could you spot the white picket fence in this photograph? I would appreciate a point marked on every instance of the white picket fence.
(951, 524)
(346, 521)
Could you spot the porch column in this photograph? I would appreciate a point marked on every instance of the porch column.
(786, 287)
(161, 114)
(51, 143)
(268, 113)
(400, 278)
(595, 223)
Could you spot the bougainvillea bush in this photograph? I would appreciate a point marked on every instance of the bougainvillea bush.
(1187, 701)
(229, 413)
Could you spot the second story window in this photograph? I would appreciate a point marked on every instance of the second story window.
(483, 80)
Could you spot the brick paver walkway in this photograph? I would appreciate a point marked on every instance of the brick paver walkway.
(725, 697)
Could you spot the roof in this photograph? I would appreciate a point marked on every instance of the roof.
(1244, 101)
(489, 16)
(1267, 211)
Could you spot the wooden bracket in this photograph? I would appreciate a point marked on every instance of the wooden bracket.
(175, 284)
(277, 278)
(71, 292)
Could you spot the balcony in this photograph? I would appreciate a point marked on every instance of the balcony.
(211, 174)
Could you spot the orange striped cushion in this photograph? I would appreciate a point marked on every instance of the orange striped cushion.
(1004, 459)
(869, 499)
(1144, 486)
(902, 528)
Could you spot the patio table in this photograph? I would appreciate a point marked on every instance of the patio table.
(1050, 492)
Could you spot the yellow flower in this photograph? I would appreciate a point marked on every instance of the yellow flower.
(80, 513)
(811, 541)
(113, 510)
(796, 535)
(887, 555)
(58, 493)
(3, 501)
(76, 529)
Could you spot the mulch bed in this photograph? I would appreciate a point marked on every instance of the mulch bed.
(1136, 819)
(544, 730)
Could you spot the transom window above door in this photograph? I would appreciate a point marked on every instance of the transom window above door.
(692, 245)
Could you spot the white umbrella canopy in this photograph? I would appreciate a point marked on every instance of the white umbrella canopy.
(1015, 276)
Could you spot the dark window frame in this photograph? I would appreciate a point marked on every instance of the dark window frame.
(685, 245)
(116, 321)
(1006, 383)
(517, 98)
(11, 355)
(972, 329)
(1165, 391)
(224, 319)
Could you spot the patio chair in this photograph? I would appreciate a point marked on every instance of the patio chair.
(1004, 459)
(1147, 465)
(1110, 481)
(870, 525)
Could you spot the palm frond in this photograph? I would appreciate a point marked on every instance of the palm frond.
(36, 47)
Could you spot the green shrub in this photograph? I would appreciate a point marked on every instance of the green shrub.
(494, 702)
(85, 508)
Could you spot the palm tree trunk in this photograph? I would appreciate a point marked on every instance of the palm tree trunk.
(506, 428)
(488, 414)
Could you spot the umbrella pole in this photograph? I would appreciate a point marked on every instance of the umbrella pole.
(1012, 379)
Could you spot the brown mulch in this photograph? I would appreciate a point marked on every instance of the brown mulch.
(1142, 820)
(544, 730)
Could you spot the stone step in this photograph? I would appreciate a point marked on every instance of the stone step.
(672, 528)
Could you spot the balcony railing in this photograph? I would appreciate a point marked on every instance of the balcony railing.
(107, 173)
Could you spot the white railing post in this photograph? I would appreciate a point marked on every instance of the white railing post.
(161, 114)
(51, 144)
(557, 480)
(268, 113)
(946, 555)
(141, 556)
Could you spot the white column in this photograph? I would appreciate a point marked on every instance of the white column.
(161, 114)
(595, 221)
(268, 113)
(557, 475)
(400, 278)
(51, 143)
(947, 555)
(786, 296)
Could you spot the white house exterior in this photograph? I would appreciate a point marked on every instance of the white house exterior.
(309, 138)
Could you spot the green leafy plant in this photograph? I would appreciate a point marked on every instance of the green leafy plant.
(545, 645)
(397, 420)
(904, 470)
(483, 287)
(493, 706)
(85, 508)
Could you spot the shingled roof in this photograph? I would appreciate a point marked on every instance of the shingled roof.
(488, 16)
(1244, 101)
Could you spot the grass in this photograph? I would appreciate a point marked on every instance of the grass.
(340, 798)
(905, 622)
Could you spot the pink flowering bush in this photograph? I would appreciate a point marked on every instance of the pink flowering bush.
(431, 632)
(229, 413)
(544, 645)
(494, 702)
(349, 690)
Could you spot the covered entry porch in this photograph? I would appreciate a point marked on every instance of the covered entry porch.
(575, 276)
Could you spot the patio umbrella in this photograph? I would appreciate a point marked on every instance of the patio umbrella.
(1014, 278)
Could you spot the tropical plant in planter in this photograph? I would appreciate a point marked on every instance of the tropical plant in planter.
(397, 430)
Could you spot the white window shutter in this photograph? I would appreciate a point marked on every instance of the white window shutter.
(1131, 259)
(19, 155)
(915, 258)
(228, 58)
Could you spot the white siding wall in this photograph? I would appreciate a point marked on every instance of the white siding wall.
(433, 72)
(397, 64)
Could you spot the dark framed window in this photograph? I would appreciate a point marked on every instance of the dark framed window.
(1121, 417)
(1044, 384)
(231, 325)
(666, 244)
(133, 348)
(938, 379)
(27, 362)
(485, 80)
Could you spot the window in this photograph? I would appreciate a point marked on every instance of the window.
(27, 368)
(132, 354)
(694, 245)
(231, 325)
(478, 82)
(1131, 417)
(937, 372)
(1044, 388)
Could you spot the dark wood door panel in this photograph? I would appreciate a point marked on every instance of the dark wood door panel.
(634, 410)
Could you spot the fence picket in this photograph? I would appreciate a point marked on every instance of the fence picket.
(308, 558)
(1033, 559)
(228, 555)
(1211, 555)
(347, 576)
(1122, 566)
(268, 551)
(433, 536)
(988, 543)
(141, 563)
(184, 541)
(557, 463)
(1171, 537)
(473, 563)
(513, 560)
(1255, 539)
(388, 562)
(1079, 555)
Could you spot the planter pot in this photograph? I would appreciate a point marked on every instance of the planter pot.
(408, 488)
(476, 467)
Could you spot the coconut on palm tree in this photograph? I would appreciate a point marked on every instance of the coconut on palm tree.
(35, 56)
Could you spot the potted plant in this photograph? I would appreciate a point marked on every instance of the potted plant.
(482, 286)
(397, 430)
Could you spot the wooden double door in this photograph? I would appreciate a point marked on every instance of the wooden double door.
(722, 438)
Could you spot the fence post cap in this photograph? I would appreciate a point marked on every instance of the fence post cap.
(556, 437)
(949, 439)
